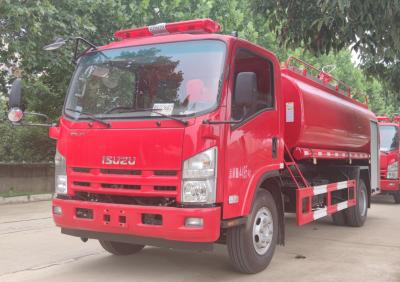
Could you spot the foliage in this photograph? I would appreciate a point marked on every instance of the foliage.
(324, 25)
(369, 27)
(26, 26)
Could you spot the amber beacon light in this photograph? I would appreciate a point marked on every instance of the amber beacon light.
(192, 26)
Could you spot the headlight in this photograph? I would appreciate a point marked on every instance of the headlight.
(60, 174)
(393, 171)
(199, 178)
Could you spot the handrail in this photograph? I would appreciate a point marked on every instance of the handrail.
(323, 77)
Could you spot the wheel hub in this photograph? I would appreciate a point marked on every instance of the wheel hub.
(262, 230)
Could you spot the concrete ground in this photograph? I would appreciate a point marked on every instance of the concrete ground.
(32, 249)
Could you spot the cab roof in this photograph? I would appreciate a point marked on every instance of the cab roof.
(198, 29)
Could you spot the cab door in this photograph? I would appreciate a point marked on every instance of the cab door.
(254, 139)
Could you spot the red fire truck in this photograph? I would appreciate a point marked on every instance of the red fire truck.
(176, 136)
(389, 156)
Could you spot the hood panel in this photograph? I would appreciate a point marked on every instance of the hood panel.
(141, 149)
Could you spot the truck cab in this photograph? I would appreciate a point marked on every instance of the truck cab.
(389, 157)
(177, 146)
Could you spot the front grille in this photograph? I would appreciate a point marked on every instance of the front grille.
(127, 186)
(165, 172)
(81, 183)
(165, 188)
(120, 186)
(120, 172)
(81, 169)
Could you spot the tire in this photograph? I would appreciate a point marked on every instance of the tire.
(247, 252)
(339, 218)
(120, 249)
(396, 197)
(357, 215)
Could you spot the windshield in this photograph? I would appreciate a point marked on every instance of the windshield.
(180, 78)
(389, 137)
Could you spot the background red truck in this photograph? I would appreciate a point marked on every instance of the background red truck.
(389, 156)
(176, 136)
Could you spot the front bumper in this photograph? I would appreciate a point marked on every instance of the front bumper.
(389, 185)
(128, 220)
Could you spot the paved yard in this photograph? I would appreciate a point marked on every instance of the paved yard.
(32, 249)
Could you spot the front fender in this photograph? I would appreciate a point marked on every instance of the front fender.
(255, 183)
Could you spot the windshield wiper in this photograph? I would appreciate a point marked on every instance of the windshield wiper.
(91, 116)
(156, 111)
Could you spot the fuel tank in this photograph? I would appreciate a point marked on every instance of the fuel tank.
(317, 116)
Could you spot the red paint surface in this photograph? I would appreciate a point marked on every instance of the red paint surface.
(389, 185)
(324, 119)
(387, 158)
(173, 227)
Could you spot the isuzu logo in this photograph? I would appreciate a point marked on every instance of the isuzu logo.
(118, 160)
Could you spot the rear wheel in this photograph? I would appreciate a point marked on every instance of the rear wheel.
(252, 245)
(396, 197)
(120, 249)
(357, 215)
(339, 218)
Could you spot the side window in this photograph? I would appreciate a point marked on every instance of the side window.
(252, 70)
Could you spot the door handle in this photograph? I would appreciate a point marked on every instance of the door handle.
(274, 147)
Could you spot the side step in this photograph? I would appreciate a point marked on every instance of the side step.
(304, 199)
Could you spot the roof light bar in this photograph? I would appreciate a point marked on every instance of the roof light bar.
(192, 26)
(396, 119)
(383, 118)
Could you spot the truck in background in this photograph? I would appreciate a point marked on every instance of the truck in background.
(389, 156)
(176, 136)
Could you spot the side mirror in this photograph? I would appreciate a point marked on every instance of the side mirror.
(15, 94)
(15, 114)
(16, 111)
(246, 89)
(59, 42)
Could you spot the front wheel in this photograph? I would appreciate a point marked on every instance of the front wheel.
(396, 197)
(357, 215)
(119, 248)
(252, 245)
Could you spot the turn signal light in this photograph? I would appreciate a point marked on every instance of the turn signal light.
(192, 26)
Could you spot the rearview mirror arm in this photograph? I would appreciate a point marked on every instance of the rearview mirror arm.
(91, 46)
(32, 124)
(39, 115)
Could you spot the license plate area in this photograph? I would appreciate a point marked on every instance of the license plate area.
(115, 217)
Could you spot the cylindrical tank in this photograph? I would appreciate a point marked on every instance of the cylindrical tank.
(318, 117)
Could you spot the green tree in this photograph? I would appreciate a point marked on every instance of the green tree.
(26, 26)
(368, 27)
(324, 25)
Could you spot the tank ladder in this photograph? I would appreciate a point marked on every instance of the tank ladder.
(305, 213)
(294, 170)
